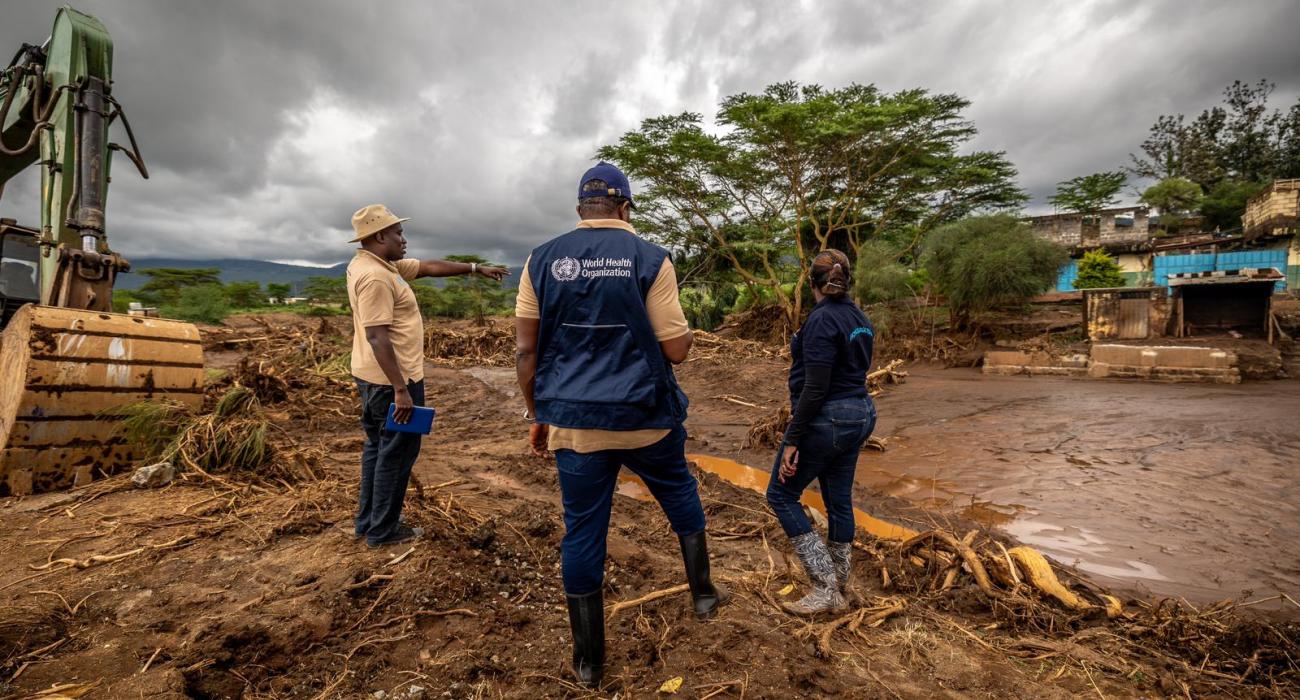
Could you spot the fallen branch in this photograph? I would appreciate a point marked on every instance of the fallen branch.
(619, 607)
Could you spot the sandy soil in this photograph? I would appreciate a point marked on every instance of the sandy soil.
(224, 590)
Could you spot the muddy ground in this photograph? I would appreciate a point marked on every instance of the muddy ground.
(235, 587)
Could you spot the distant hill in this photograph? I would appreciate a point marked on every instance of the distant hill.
(234, 270)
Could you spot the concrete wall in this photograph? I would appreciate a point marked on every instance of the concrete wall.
(1153, 363)
(1068, 229)
(1136, 268)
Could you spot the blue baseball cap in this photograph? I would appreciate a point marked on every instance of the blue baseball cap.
(614, 179)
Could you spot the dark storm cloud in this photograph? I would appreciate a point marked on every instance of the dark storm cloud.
(266, 124)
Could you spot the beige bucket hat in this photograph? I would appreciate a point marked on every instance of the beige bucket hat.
(372, 219)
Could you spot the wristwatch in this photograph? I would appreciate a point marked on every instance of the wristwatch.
(473, 268)
(529, 416)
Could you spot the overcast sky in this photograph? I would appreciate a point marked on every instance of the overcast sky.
(266, 124)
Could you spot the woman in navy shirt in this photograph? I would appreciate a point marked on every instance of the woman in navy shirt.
(832, 416)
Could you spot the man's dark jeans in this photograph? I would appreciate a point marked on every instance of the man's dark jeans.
(828, 452)
(386, 462)
(587, 483)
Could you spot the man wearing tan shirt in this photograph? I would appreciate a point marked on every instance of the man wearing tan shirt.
(598, 327)
(388, 364)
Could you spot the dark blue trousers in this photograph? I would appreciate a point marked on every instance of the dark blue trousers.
(828, 452)
(386, 461)
(587, 483)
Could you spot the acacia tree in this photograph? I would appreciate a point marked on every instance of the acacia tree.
(166, 283)
(798, 169)
(1089, 194)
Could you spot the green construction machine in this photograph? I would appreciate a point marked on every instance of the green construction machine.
(66, 361)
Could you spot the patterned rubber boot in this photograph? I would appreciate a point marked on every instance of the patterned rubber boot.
(842, 557)
(816, 559)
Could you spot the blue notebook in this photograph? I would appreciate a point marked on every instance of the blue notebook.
(421, 420)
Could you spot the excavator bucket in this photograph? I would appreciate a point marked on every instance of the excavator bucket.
(63, 371)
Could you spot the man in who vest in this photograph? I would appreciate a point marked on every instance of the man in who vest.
(598, 328)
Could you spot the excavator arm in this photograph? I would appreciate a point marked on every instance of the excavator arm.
(66, 362)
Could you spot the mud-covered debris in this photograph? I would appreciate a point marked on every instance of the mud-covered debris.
(484, 536)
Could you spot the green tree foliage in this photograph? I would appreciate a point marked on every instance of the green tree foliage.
(1228, 149)
(323, 289)
(1224, 204)
(245, 295)
(797, 169)
(1174, 195)
(201, 304)
(476, 296)
(1098, 270)
(122, 299)
(878, 275)
(705, 306)
(1088, 194)
(166, 283)
(981, 262)
(279, 291)
(469, 296)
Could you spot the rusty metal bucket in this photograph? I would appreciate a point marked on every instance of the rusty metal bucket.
(62, 370)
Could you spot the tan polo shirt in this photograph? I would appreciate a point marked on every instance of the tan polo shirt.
(666, 318)
(380, 296)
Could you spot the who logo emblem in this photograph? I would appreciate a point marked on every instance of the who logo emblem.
(566, 269)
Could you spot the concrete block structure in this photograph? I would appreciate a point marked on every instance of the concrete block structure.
(1104, 361)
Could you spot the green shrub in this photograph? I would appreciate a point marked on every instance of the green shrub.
(706, 307)
(122, 299)
(984, 261)
(1098, 270)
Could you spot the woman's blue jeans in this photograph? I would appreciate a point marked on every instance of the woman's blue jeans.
(828, 452)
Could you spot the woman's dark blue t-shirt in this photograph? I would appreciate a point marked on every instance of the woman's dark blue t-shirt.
(838, 335)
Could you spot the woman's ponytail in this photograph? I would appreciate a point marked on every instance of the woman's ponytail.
(830, 273)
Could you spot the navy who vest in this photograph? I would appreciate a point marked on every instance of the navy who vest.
(598, 362)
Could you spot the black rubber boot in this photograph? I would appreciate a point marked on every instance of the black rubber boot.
(706, 595)
(587, 620)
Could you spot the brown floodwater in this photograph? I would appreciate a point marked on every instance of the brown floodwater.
(1185, 490)
(745, 476)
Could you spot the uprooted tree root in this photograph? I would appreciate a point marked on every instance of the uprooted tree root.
(711, 347)
(1216, 645)
(491, 345)
(307, 371)
(767, 433)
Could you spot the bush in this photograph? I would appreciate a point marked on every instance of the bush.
(746, 298)
(706, 307)
(879, 276)
(122, 299)
(981, 262)
(202, 304)
(1098, 270)
(315, 311)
